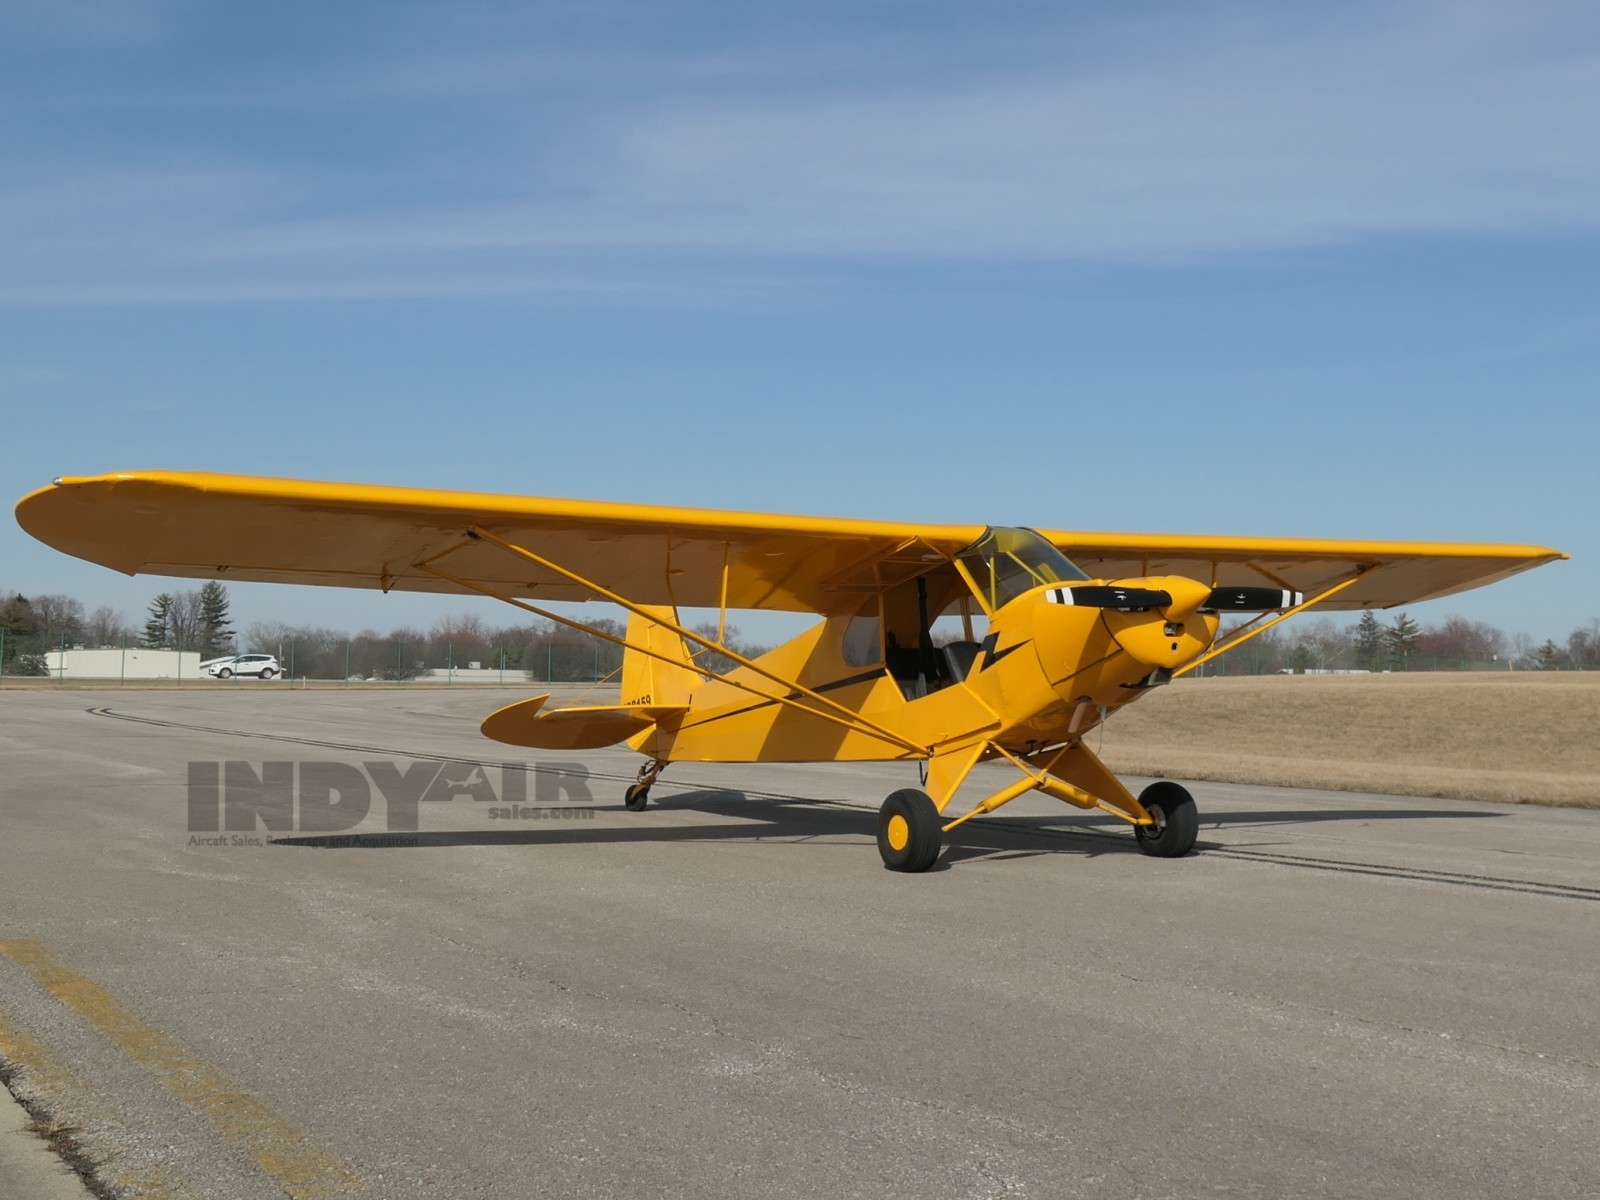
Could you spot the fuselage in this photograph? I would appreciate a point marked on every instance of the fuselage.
(1046, 671)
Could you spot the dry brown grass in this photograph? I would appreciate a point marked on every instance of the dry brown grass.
(1521, 737)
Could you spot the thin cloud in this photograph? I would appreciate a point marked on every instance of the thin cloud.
(1239, 132)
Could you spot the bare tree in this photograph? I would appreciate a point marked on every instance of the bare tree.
(1322, 643)
(1458, 641)
(267, 637)
(1522, 650)
(105, 627)
(59, 619)
(186, 618)
(1583, 646)
(460, 627)
(1262, 654)
(457, 640)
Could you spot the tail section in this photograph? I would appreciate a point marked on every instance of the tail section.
(652, 682)
(653, 690)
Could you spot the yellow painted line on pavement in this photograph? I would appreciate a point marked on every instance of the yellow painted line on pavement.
(275, 1146)
(44, 1073)
(22, 1049)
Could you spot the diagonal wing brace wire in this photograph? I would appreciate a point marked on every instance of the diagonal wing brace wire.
(839, 714)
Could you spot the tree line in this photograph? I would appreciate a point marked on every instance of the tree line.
(544, 651)
(1402, 644)
(199, 620)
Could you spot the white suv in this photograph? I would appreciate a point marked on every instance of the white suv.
(262, 666)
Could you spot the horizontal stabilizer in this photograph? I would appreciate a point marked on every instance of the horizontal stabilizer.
(523, 724)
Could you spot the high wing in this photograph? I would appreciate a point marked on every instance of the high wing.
(1392, 573)
(232, 527)
(228, 527)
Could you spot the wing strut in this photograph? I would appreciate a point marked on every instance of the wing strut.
(839, 715)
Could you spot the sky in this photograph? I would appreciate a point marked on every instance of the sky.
(1252, 268)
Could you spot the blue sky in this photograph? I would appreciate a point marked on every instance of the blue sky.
(1249, 268)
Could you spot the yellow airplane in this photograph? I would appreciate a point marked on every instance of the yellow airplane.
(944, 645)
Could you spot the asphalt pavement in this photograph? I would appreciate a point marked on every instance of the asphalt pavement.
(442, 976)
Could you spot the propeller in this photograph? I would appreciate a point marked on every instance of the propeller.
(1138, 599)
(1109, 595)
(1251, 599)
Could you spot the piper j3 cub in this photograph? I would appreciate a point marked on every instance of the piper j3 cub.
(1048, 632)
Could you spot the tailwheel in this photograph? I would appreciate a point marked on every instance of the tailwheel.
(1177, 824)
(638, 793)
(909, 831)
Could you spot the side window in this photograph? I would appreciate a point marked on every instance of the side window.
(963, 621)
(863, 642)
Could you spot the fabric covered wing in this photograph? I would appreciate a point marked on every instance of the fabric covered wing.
(354, 535)
(229, 527)
(1392, 573)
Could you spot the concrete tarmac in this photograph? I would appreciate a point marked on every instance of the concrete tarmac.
(726, 995)
(29, 1168)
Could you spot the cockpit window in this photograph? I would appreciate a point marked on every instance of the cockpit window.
(1007, 561)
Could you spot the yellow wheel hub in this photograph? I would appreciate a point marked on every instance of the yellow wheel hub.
(898, 832)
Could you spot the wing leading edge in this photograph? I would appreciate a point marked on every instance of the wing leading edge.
(229, 527)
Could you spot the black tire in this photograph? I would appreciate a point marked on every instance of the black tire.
(267, 673)
(1177, 823)
(909, 831)
(225, 673)
(636, 797)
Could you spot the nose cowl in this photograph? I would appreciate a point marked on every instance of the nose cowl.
(1189, 596)
(1166, 635)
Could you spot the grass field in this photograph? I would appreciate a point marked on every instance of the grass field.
(1525, 737)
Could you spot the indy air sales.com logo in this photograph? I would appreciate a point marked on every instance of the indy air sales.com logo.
(236, 801)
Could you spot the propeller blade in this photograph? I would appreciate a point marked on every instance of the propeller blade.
(1251, 599)
(1124, 599)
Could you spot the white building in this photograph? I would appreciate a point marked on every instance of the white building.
(135, 662)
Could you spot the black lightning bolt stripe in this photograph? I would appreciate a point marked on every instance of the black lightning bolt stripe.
(990, 657)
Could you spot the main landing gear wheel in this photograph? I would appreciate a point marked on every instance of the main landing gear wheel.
(1177, 824)
(636, 797)
(909, 831)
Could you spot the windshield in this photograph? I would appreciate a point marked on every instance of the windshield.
(1007, 561)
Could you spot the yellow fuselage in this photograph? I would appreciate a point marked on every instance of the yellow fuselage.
(1044, 674)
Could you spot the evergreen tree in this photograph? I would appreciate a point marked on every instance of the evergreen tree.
(1401, 639)
(216, 635)
(1370, 642)
(18, 625)
(158, 628)
(1549, 656)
